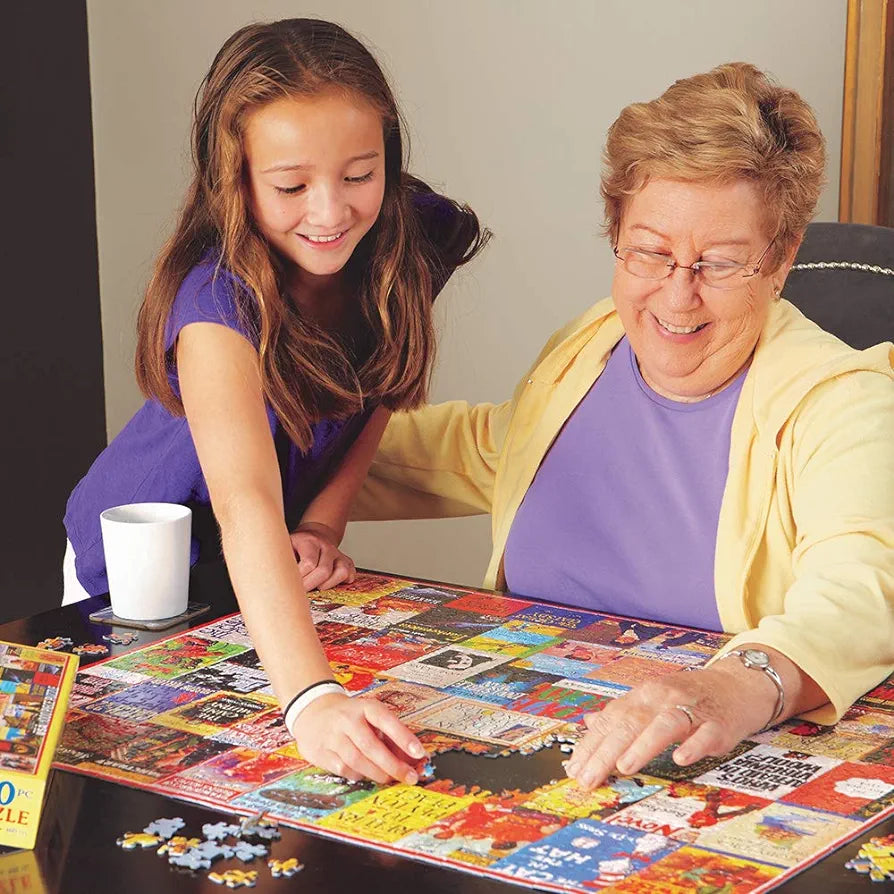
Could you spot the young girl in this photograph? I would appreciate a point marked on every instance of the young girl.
(287, 316)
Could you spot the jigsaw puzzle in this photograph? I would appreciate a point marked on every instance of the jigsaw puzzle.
(492, 680)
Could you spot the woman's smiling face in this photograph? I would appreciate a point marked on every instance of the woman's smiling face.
(691, 339)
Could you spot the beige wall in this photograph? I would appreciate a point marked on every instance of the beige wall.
(507, 105)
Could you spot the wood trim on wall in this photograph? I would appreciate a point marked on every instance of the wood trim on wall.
(867, 138)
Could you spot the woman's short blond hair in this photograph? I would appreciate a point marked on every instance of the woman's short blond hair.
(731, 123)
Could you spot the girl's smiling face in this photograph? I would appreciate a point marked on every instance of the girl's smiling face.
(315, 169)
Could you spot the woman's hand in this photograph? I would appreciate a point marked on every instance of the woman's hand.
(321, 563)
(358, 738)
(727, 701)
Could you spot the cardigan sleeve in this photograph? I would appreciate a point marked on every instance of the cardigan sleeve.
(837, 624)
(435, 462)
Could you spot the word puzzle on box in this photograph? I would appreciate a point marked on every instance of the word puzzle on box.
(193, 717)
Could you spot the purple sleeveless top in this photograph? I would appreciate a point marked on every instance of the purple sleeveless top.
(153, 458)
(622, 514)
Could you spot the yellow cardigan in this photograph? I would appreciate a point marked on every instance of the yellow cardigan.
(804, 559)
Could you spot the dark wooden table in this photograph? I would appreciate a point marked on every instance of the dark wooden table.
(76, 848)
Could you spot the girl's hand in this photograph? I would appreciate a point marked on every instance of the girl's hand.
(357, 738)
(727, 701)
(321, 563)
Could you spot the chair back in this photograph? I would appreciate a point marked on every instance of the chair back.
(843, 279)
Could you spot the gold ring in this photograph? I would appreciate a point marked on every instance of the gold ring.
(688, 711)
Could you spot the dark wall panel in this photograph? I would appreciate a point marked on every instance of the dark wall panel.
(51, 384)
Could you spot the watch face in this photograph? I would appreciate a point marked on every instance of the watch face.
(756, 658)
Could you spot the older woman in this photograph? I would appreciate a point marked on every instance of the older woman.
(692, 449)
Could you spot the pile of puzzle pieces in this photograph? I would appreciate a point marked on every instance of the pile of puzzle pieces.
(875, 859)
(199, 853)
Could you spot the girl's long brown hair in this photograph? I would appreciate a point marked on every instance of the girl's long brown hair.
(307, 373)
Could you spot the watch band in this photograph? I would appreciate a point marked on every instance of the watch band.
(757, 659)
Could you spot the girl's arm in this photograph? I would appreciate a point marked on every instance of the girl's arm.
(222, 396)
(321, 530)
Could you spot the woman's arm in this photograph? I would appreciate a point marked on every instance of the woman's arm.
(322, 564)
(222, 395)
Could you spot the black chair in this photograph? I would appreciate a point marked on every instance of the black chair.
(843, 279)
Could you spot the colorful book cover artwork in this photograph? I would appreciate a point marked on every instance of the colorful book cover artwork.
(559, 702)
(405, 698)
(857, 790)
(586, 855)
(485, 831)
(381, 612)
(779, 834)
(393, 813)
(308, 794)
(227, 630)
(500, 685)
(692, 870)
(567, 799)
(87, 687)
(683, 810)
(514, 638)
(265, 732)
(447, 666)
(767, 771)
(380, 651)
(469, 719)
(484, 604)
(232, 773)
(173, 657)
(143, 701)
(571, 658)
(446, 624)
(213, 713)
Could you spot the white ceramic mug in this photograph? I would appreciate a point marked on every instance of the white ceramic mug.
(146, 546)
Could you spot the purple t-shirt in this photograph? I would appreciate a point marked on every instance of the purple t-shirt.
(153, 458)
(622, 514)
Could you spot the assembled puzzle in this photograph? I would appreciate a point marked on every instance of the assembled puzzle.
(193, 717)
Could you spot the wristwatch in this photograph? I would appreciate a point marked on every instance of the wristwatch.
(756, 659)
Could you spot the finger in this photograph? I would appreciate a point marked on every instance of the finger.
(360, 765)
(710, 738)
(308, 555)
(382, 758)
(601, 761)
(381, 718)
(323, 570)
(332, 762)
(668, 726)
(342, 572)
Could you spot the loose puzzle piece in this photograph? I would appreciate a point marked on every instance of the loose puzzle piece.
(875, 859)
(285, 868)
(221, 830)
(234, 878)
(91, 649)
(192, 859)
(164, 828)
(131, 840)
(246, 852)
(178, 845)
(213, 850)
(55, 643)
(257, 827)
(120, 639)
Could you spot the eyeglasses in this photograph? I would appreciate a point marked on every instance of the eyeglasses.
(716, 274)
